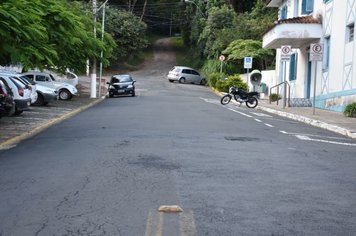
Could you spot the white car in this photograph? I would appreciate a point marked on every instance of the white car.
(65, 91)
(32, 87)
(22, 94)
(184, 74)
(44, 94)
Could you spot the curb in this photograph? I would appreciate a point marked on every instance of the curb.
(303, 119)
(11, 142)
(312, 122)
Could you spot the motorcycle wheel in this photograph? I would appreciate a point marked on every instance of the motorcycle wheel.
(252, 102)
(225, 99)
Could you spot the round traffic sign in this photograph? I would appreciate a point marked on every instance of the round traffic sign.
(222, 58)
(286, 50)
(317, 48)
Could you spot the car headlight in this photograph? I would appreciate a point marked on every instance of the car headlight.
(111, 87)
(130, 86)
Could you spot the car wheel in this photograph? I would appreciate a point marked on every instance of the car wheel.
(64, 94)
(203, 82)
(40, 100)
(182, 80)
(133, 94)
(170, 80)
(111, 95)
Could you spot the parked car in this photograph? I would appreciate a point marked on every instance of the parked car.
(30, 86)
(69, 77)
(65, 91)
(44, 94)
(120, 85)
(7, 103)
(184, 74)
(22, 94)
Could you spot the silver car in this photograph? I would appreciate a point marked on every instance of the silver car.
(184, 74)
(65, 91)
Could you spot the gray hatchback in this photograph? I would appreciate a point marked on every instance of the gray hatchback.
(184, 74)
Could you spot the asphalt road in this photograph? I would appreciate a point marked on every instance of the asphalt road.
(233, 170)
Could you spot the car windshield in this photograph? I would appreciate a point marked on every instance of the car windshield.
(121, 79)
(27, 79)
(52, 77)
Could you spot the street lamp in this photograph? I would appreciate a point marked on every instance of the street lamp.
(93, 72)
(102, 40)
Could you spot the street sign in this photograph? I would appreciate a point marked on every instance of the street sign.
(286, 52)
(222, 58)
(316, 52)
(248, 62)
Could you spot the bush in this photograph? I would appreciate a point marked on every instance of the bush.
(213, 78)
(350, 110)
(233, 80)
(274, 97)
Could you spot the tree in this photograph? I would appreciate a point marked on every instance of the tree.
(53, 34)
(241, 48)
(219, 21)
(127, 30)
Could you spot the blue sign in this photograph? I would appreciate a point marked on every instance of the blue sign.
(248, 62)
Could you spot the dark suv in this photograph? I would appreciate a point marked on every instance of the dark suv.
(120, 85)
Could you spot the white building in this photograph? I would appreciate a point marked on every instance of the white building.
(330, 23)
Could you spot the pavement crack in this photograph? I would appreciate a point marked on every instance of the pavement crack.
(43, 226)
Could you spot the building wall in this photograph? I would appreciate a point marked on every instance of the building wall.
(335, 84)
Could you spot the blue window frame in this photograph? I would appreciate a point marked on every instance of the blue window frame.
(283, 12)
(293, 67)
(350, 33)
(326, 58)
(307, 7)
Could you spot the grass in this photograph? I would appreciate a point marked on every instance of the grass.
(186, 56)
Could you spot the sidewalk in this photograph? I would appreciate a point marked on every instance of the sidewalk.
(329, 120)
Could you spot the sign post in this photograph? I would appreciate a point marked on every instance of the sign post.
(248, 66)
(316, 54)
(286, 52)
(222, 59)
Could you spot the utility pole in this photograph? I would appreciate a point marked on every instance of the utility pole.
(93, 66)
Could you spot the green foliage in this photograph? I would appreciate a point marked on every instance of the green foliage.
(213, 78)
(350, 110)
(252, 25)
(177, 43)
(240, 48)
(274, 97)
(128, 32)
(53, 34)
(223, 85)
(220, 20)
(214, 33)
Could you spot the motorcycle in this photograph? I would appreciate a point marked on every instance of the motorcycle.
(250, 98)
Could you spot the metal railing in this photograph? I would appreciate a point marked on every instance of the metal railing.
(286, 98)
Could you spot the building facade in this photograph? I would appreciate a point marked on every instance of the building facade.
(329, 23)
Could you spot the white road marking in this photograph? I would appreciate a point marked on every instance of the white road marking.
(258, 120)
(213, 101)
(314, 135)
(269, 125)
(240, 112)
(306, 138)
(260, 114)
(187, 224)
